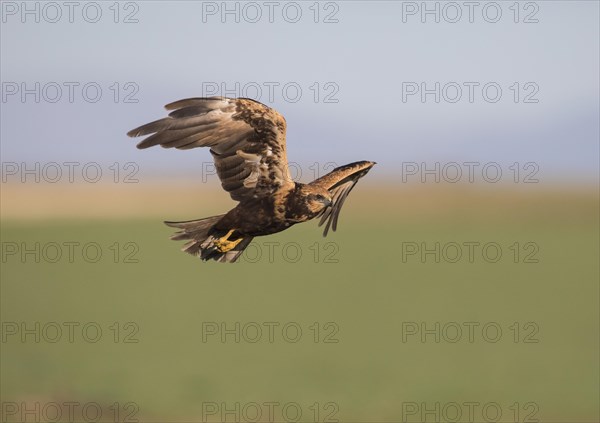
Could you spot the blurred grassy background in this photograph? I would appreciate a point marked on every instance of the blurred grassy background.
(368, 294)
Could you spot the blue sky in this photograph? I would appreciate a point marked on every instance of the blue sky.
(365, 65)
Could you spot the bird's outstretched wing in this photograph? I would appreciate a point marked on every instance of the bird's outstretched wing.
(246, 139)
(339, 182)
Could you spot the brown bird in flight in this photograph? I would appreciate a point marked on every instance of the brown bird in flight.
(247, 142)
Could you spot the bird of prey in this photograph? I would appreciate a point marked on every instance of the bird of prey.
(247, 142)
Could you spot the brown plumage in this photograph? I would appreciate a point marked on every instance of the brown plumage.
(247, 142)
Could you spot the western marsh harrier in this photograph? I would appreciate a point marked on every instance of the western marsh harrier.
(247, 142)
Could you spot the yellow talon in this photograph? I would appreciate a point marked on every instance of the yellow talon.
(223, 244)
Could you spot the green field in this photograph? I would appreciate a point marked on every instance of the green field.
(360, 362)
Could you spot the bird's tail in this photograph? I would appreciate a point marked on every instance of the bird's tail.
(201, 244)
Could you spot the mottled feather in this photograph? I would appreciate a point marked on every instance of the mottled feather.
(246, 138)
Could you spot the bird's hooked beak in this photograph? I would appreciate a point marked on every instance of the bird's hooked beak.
(327, 202)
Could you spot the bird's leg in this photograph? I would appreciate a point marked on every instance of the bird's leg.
(223, 244)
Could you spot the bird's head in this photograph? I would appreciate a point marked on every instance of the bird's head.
(317, 199)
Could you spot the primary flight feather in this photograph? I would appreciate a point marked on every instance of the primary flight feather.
(247, 142)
